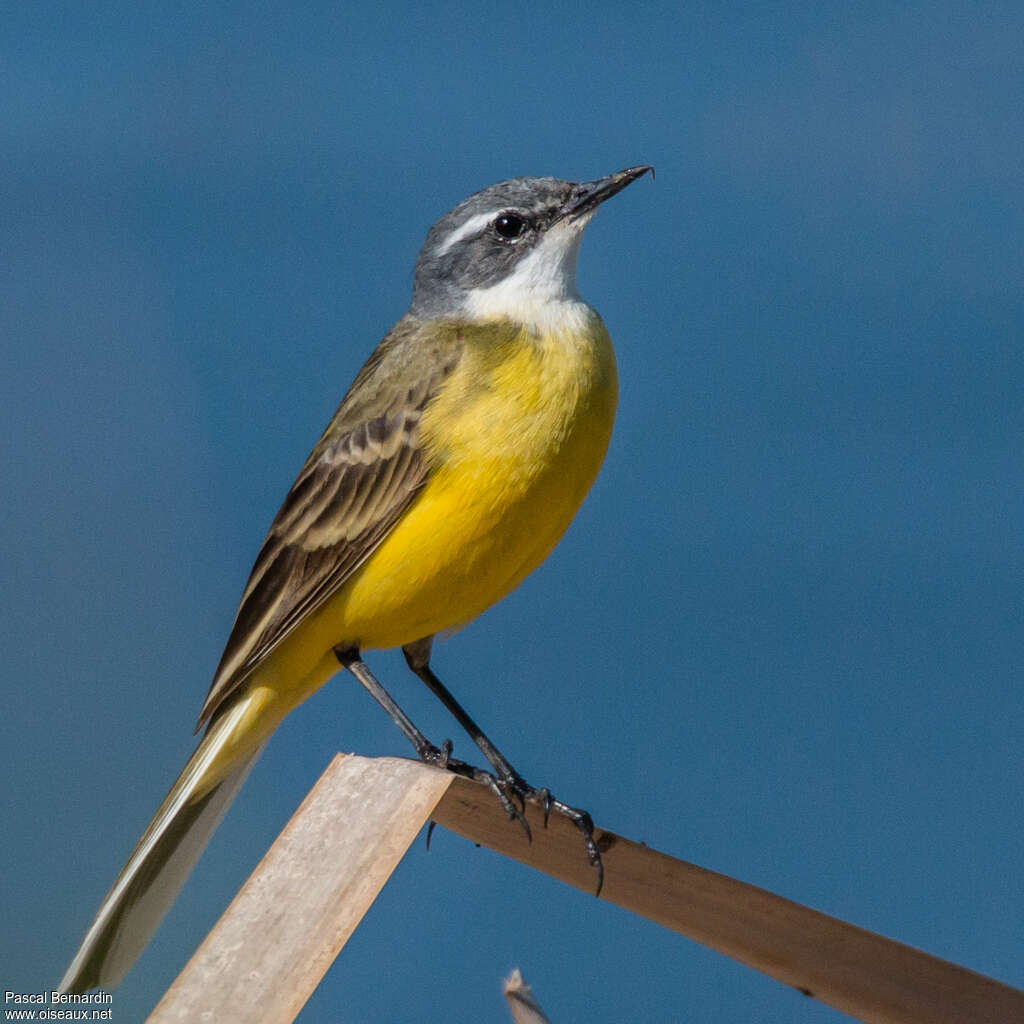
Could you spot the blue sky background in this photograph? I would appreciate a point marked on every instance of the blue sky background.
(783, 639)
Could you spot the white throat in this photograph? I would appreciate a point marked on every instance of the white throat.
(540, 293)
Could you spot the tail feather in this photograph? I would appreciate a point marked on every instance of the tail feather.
(160, 863)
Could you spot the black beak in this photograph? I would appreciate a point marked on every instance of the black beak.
(587, 195)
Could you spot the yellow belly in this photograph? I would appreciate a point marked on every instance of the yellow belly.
(520, 436)
(517, 436)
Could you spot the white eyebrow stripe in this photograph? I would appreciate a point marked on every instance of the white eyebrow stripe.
(471, 227)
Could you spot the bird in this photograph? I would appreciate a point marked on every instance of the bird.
(453, 465)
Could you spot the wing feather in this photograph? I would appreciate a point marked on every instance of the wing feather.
(362, 475)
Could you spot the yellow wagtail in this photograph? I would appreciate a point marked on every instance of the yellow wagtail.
(452, 467)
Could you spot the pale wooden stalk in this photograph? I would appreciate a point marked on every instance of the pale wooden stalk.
(268, 952)
(263, 958)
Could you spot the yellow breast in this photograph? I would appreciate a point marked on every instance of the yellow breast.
(518, 434)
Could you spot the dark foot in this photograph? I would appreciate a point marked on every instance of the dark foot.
(517, 787)
(509, 785)
(442, 758)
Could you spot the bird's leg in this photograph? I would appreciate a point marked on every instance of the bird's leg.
(439, 757)
(417, 656)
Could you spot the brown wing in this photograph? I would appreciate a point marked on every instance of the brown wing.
(361, 476)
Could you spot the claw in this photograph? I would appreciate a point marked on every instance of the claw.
(585, 824)
(510, 808)
(442, 758)
(543, 797)
(506, 781)
(511, 789)
(581, 819)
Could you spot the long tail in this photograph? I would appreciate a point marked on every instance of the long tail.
(164, 857)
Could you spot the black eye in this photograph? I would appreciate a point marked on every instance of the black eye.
(510, 225)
